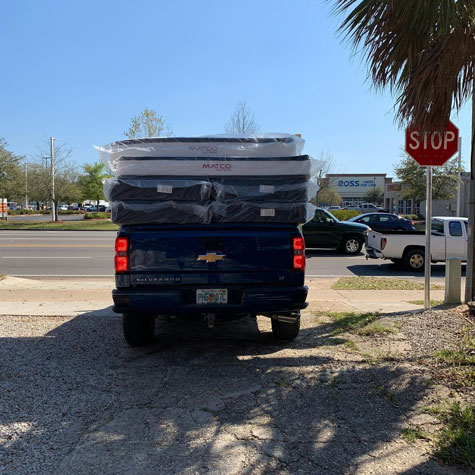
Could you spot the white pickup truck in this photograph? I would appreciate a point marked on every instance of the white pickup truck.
(448, 239)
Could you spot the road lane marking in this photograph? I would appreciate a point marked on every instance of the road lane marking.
(108, 246)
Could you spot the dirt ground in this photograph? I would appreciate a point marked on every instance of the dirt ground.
(75, 399)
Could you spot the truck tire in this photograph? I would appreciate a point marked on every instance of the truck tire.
(138, 329)
(351, 245)
(414, 260)
(285, 330)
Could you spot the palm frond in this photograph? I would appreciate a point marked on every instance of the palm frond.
(423, 50)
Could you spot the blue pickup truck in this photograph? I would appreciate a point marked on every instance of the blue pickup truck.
(213, 271)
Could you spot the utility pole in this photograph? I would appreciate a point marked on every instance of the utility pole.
(459, 188)
(26, 185)
(469, 279)
(53, 207)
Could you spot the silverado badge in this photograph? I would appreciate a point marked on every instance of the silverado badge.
(211, 257)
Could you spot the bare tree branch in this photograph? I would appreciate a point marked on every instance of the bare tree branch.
(242, 120)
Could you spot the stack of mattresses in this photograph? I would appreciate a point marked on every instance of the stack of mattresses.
(215, 179)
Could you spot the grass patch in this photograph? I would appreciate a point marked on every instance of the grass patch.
(371, 283)
(3, 276)
(411, 435)
(462, 361)
(349, 321)
(456, 442)
(376, 328)
(433, 303)
(351, 345)
(96, 215)
(90, 225)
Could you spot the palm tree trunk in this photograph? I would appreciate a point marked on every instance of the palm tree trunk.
(470, 272)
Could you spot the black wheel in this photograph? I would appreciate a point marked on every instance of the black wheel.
(351, 244)
(414, 260)
(285, 330)
(138, 329)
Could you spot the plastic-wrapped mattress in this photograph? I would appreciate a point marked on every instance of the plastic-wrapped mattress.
(159, 212)
(263, 188)
(173, 212)
(215, 166)
(225, 145)
(157, 189)
(273, 189)
(263, 212)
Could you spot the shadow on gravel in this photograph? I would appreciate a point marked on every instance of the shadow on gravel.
(79, 401)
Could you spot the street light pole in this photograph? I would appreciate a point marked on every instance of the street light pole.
(53, 207)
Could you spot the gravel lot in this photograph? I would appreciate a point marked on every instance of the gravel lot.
(76, 400)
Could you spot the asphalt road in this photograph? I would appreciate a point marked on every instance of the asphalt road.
(90, 253)
(57, 253)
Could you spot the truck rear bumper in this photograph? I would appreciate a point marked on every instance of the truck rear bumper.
(373, 253)
(179, 301)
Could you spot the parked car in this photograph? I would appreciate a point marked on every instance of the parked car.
(326, 231)
(91, 209)
(364, 207)
(384, 222)
(448, 239)
(62, 207)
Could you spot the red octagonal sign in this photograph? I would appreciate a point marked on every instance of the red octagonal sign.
(432, 148)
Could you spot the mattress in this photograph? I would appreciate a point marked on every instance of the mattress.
(252, 212)
(156, 212)
(172, 212)
(157, 189)
(226, 145)
(263, 188)
(273, 189)
(216, 166)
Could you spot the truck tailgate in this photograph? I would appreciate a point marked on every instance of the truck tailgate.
(218, 254)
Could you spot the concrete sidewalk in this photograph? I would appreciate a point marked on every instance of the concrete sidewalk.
(20, 296)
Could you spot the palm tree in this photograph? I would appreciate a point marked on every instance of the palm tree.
(424, 52)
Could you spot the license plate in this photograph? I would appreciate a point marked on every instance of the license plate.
(207, 296)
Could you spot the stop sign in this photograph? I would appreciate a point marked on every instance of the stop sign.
(432, 148)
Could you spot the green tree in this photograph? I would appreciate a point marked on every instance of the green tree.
(328, 196)
(375, 195)
(149, 123)
(66, 188)
(90, 182)
(444, 179)
(242, 120)
(40, 180)
(12, 175)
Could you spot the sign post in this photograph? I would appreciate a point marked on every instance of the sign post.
(427, 253)
(430, 149)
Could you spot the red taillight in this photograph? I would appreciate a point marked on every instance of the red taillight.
(383, 243)
(121, 244)
(299, 253)
(121, 260)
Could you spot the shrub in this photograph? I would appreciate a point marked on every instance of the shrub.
(21, 212)
(344, 214)
(96, 216)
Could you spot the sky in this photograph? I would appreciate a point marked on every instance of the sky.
(80, 70)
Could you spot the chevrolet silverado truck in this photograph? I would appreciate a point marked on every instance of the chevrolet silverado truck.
(448, 239)
(214, 271)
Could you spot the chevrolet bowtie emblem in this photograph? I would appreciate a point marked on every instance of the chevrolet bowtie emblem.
(211, 257)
